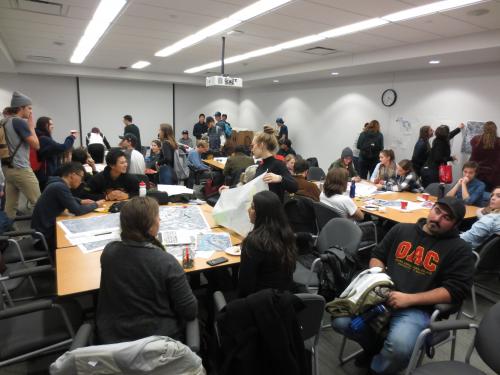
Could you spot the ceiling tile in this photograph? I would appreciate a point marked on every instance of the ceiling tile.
(490, 21)
(442, 25)
(376, 8)
(402, 33)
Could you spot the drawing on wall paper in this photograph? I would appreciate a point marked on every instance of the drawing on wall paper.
(472, 129)
(404, 125)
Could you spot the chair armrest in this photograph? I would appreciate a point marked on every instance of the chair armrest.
(448, 325)
(26, 308)
(23, 217)
(29, 271)
(15, 233)
(444, 310)
(219, 301)
(193, 335)
(82, 337)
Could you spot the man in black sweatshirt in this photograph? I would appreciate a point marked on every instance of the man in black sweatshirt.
(429, 264)
(56, 198)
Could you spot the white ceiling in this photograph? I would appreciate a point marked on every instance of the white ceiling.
(35, 42)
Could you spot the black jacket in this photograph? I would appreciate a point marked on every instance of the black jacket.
(199, 129)
(133, 129)
(102, 182)
(370, 144)
(273, 165)
(420, 154)
(260, 334)
(441, 151)
(418, 262)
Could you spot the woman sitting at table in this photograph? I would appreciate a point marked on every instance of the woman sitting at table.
(406, 179)
(268, 253)
(333, 195)
(386, 169)
(290, 160)
(114, 183)
(488, 223)
(155, 155)
(144, 290)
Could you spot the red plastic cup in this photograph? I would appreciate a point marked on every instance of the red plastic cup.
(425, 196)
(404, 204)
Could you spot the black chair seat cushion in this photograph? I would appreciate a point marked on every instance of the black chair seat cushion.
(447, 367)
(11, 255)
(26, 333)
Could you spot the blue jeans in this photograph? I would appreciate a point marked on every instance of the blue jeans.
(404, 327)
(167, 175)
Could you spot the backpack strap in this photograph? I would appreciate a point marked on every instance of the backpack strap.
(11, 157)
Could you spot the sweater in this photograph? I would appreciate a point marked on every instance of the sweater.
(167, 154)
(339, 163)
(194, 161)
(275, 166)
(237, 164)
(199, 129)
(488, 160)
(260, 269)
(409, 182)
(307, 188)
(418, 262)
(102, 183)
(144, 291)
(54, 200)
(50, 154)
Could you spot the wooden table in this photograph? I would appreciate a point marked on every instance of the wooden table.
(77, 272)
(405, 217)
(214, 163)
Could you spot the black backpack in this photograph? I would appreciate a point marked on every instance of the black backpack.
(369, 150)
(337, 271)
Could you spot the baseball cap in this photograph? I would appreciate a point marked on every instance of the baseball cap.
(217, 113)
(129, 137)
(185, 132)
(455, 206)
(279, 120)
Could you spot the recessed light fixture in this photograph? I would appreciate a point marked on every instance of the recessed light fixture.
(140, 64)
(251, 11)
(434, 62)
(439, 6)
(276, 80)
(106, 12)
(335, 73)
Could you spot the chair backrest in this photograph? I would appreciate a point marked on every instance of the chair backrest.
(340, 232)
(96, 150)
(433, 189)
(311, 316)
(315, 174)
(489, 254)
(324, 213)
(300, 213)
(488, 338)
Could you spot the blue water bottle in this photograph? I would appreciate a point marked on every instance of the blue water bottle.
(358, 323)
(352, 192)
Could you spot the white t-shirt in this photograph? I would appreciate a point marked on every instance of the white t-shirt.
(342, 204)
(137, 163)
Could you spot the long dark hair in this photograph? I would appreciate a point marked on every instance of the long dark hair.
(272, 232)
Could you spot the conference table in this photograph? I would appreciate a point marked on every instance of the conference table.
(214, 163)
(401, 216)
(79, 272)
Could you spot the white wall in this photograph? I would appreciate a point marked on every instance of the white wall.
(325, 116)
(55, 97)
(190, 101)
(105, 102)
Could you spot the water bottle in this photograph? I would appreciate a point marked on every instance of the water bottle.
(441, 191)
(358, 323)
(187, 258)
(142, 189)
(352, 191)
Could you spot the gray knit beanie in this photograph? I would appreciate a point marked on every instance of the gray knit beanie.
(346, 152)
(19, 100)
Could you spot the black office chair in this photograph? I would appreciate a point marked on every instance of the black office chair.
(433, 189)
(300, 213)
(487, 262)
(315, 174)
(96, 151)
(324, 213)
(486, 342)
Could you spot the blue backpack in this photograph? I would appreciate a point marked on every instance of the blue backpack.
(228, 130)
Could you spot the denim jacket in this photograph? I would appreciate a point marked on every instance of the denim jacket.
(482, 229)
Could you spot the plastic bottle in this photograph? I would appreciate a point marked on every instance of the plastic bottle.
(142, 189)
(352, 191)
(441, 190)
(359, 323)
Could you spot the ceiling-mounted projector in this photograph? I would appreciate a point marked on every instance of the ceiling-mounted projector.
(224, 81)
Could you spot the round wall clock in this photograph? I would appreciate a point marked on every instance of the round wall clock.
(389, 97)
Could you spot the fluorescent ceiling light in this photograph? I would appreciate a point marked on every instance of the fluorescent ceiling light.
(354, 28)
(335, 73)
(140, 64)
(425, 10)
(251, 11)
(371, 23)
(434, 62)
(276, 80)
(106, 12)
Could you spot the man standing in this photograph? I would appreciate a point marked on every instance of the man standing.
(214, 134)
(345, 162)
(136, 163)
(131, 128)
(20, 135)
(468, 188)
(200, 127)
(429, 264)
(283, 129)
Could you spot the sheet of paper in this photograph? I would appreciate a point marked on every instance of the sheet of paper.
(174, 189)
(91, 225)
(204, 254)
(189, 218)
(221, 160)
(206, 242)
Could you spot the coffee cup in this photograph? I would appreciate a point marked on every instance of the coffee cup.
(404, 205)
(426, 196)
